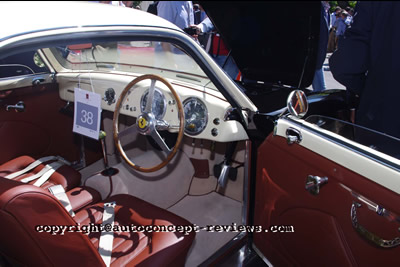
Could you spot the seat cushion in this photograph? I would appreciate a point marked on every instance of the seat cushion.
(82, 196)
(23, 208)
(141, 248)
(65, 175)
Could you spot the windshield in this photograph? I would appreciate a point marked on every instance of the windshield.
(140, 57)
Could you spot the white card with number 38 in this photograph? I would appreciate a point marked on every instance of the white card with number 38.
(87, 113)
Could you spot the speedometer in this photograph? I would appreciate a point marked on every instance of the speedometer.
(196, 116)
(158, 106)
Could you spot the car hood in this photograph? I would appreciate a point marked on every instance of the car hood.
(272, 42)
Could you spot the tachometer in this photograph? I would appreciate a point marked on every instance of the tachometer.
(196, 115)
(159, 105)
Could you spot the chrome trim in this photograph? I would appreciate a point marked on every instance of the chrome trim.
(346, 145)
(26, 76)
(262, 255)
(371, 237)
(19, 107)
(381, 211)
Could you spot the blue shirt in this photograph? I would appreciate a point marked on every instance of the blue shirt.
(178, 12)
(341, 27)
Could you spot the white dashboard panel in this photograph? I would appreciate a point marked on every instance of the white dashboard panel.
(216, 104)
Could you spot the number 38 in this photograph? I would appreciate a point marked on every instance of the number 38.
(87, 117)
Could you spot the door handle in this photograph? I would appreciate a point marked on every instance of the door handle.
(19, 107)
(293, 136)
(375, 239)
(313, 183)
(37, 81)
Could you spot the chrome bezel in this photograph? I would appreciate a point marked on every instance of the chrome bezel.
(163, 99)
(206, 112)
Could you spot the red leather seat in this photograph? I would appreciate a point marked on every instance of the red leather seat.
(82, 196)
(65, 175)
(24, 208)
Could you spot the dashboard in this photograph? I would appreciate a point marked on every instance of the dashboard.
(205, 109)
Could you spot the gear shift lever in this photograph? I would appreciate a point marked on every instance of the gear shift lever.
(108, 171)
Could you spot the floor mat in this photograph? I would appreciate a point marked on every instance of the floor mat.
(208, 210)
(162, 188)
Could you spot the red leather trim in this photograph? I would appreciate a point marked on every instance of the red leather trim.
(322, 224)
(40, 130)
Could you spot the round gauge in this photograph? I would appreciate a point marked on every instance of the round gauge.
(159, 105)
(196, 115)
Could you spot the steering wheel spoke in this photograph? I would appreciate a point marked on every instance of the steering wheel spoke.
(128, 131)
(150, 97)
(158, 139)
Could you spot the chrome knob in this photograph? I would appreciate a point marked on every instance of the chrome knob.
(313, 184)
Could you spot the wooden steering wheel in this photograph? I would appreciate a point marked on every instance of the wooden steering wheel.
(147, 124)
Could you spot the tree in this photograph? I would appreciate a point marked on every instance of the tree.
(341, 4)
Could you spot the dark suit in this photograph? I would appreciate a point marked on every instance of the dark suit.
(367, 62)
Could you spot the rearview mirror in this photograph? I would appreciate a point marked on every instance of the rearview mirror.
(297, 103)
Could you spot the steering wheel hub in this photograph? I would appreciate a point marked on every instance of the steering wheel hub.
(145, 122)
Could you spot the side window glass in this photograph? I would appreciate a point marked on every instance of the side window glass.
(376, 140)
(27, 63)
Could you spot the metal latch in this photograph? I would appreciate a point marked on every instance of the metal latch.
(293, 136)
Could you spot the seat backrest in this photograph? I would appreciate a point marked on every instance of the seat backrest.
(66, 176)
(25, 213)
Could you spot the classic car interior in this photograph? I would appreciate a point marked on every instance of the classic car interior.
(190, 115)
(259, 168)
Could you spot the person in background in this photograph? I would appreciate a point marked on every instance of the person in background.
(128, 4)
(333, 16)
(332, 33)
(178, 12)
(367, 62)
(114, 3)
(349, 18)
(340, 26)
(217, 48)
(318, 83)
(153, 8)
(197, 13)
